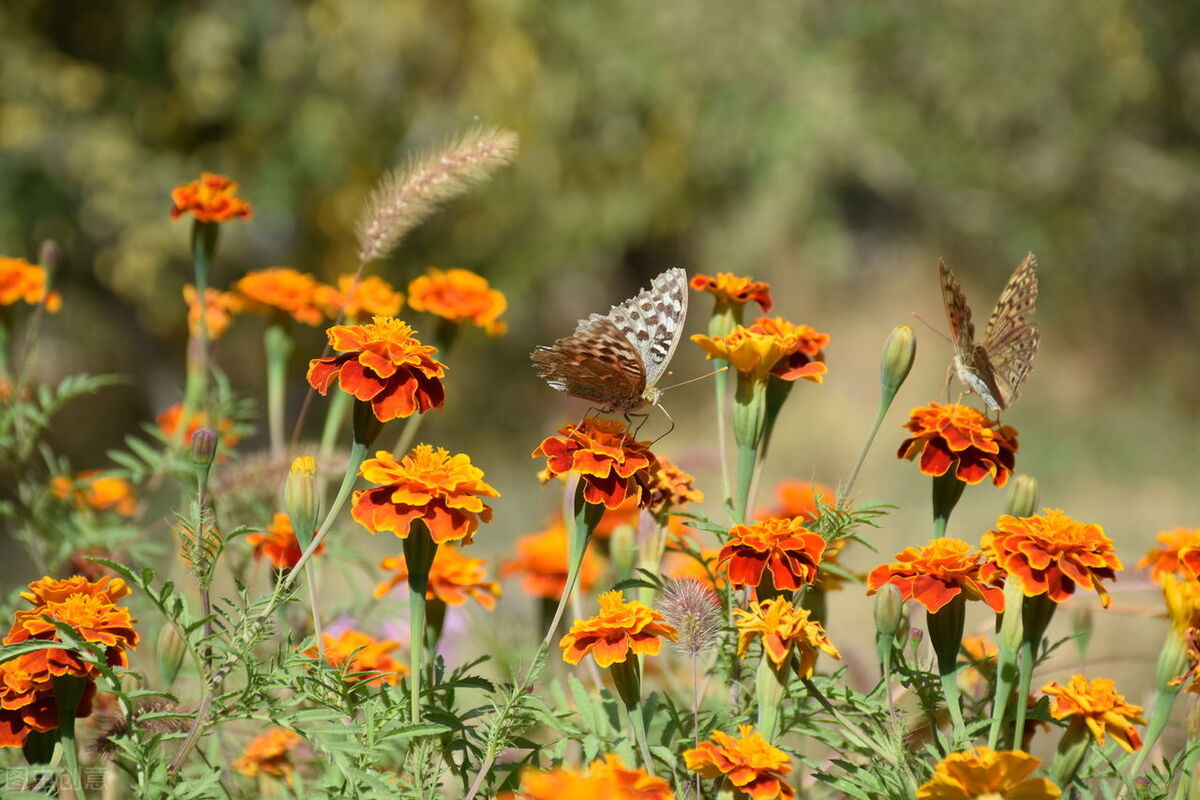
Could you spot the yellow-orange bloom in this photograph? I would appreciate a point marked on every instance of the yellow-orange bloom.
(754, 354)
(611, 463)
(798, 499)
(805, 355)
(671, 488)
(1178, 553)
(607, 779)
(278, 543)
(986, 773)
(459, 295)
(443, 491)
(935, 574)
(542, 560)
(1051, 554)
(91, 489)
(281, 289)
(372, 297)
(734, 290)
(21, 281)
(453, 578)
(752, 765)
(963, 439)
(1182, 598)
(213, 198)
(622, 627)
(785, 630)
(219, 308)
(269, 754)
(384, 363)
(363, 658)
(169, 418)
(1099, 706)
(785, 547)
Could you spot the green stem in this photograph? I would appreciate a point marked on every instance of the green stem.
(721, 382)
(945, 635)
(746, 458)
(627, 678)
(862, 456)
(407, 434)
(335, 420)
(1036, 613)
(68, 691)
(947, 489)
(315, 605)
(419, 552)
(278, 346)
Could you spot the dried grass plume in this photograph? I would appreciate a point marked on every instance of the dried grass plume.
(695, 610)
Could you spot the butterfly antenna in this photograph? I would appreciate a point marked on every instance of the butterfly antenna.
(931, 327)
(691, 380)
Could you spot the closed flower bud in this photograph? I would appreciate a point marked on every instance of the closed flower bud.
(889, 610)
(204, 446)
(301, 499)
(1012, 626)
(1023, 499)
(899, 352)
(170, 649)
(48, 256)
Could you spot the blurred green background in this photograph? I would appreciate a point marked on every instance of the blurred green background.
(835, 150)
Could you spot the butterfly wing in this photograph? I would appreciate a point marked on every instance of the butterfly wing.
(1010, 341)
(652, 321)
(597, 363)
(958, 313)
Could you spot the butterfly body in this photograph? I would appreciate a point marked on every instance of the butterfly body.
(615, 360)
(995, 368)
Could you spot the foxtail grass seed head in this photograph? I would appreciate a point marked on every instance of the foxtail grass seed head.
(889, 610)
(695, 611)
(899, 352)
(302, 499)
(1023, 498)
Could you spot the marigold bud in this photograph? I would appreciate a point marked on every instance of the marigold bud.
(170, 649)
(1023, 499)
(889, 610)
(301, 499)
(204, 446)
(48, 256)
(899, 352)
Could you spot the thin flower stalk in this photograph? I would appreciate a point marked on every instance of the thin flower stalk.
(419, 551)
(278, 344)
(899, 352)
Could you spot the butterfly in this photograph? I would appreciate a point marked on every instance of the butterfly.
(615, 360)
(994, 370)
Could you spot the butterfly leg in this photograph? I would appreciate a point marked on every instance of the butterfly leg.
(949, 377)
(592, 411)
(669, 417)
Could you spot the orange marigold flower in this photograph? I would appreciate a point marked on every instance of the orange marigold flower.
(219, 308)
(278, 543)
(91, 489)
(751, 764)
(542, 560)
(269, 754)
(443, 491)
(681, 565)
(935, 574)
(1050, 553)
(22, 281)
(671, 488)
(382, 362)
(611, 463)
(963, 439)
(373, 296)
(362, 657)
(784, 630)
(1182, 597)
(620, 628)
(979, 655)
(607, 779)
(27, 698)
(169, 418)
(459, 295)
(734, 290)
(1097, 705)
(1167, 557)
(983, 772)
(453, 578)
(805, 357)
(625, 783)
(753, 353)
(213, 198)
(798, 499)
(784, 546)
(282, 289)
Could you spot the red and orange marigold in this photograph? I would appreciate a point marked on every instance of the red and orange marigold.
(785, 631)
(212, 198)
(962, 439)
(278, 543)
(1097, 705)
(362, 657)
(621, 628)
(1051, 554)
(21, 281)
(935, 574)
(269, 754)
(734, 290)
(611, 463)
(986, 773)
(443, 491)
(453, 578)
(541, 560)
(372, 296)
(383, 363)
(459, 295)
(27, 698)
(282, 290)
(92, 489)
(751, 765)
(784, 547)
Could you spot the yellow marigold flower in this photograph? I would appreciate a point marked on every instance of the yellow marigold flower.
(791, 553)
(443, 491)
(753, 354)
(620, 628)
(734, 290)
(453, 578)
(607, 779)
(269, 754)
(219, 308)
(542, 560)
(213, 198)
(1166, 559)
(805, 356)
(21, 281)
(1099, 706)
(984, 773)
(281, 289)
(935, 574)
(459, 295)
(752, 766)
(1183, 602)
(363, 657)
(963, 439)
(785, 630)
(1051, 554)
(611, 463)
(372, 297)
(91, 489)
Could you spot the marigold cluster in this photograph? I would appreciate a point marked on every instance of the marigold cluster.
(935, 574)
(987, 773)
(606, 779)
(169, 418)
(734, 290)
(541, 560)
(612, 464)
(362, 658)
(1178, 553)
(453, 578)
(429, 485)
(383, 363)
(269, 754)
(621, 628)
(212, 198)
(784, 548)
(283, 290)
(21, 281)
(1051, 554)
(219, 310)
(752, 765)
(785, 631)
(94, 490)
(459, 295)
(962, 439)
(278, 543)
(1097, 705)
(372, 296)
